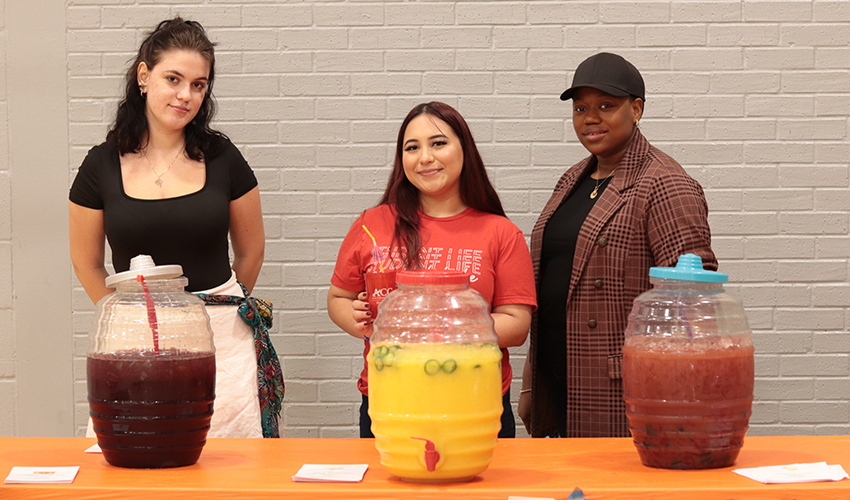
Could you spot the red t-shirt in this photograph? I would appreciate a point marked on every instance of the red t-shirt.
(487, 247)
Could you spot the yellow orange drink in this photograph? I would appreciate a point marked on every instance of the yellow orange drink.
(435, 406)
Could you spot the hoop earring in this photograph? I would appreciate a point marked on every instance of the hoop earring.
(142, 92)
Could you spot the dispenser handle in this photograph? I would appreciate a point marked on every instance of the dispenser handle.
(432, 456)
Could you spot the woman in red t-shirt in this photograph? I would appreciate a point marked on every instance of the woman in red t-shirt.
(439, 211)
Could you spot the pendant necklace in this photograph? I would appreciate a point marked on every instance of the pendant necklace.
(599, 182)
(158, 180)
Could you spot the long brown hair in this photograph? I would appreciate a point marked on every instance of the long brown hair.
(403, 197)
(129, 132)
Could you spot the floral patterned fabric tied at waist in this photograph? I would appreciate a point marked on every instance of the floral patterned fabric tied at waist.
(257, 313)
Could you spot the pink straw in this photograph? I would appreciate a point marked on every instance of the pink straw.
(151, 314)
(377, 254)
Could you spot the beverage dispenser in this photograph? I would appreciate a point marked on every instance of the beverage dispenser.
(688, 369)
(435, 383)
(150, 369)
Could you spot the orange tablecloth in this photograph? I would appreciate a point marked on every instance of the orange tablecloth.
(551, 468)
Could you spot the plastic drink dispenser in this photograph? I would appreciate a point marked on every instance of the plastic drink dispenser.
(435, 380)
(688, 369)
(151, 369)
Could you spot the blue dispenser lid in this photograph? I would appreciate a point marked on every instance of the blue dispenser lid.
(689, 268)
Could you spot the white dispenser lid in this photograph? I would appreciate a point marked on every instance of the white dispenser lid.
(144, 265)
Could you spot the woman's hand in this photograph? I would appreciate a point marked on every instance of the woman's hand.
(350, 311)
(362, 315)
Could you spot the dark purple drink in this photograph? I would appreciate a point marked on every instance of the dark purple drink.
(151, 411)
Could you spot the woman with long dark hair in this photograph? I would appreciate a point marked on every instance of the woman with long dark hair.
(439, 211)
(167, 185)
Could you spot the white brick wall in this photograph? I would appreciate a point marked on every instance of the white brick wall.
(750, 96)
(8, 385)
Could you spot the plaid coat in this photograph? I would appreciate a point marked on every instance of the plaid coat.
(651, 212)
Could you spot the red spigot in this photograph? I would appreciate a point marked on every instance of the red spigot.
(432, 456)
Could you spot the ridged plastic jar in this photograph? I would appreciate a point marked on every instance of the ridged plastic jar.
(150, 369)
(688, 369)
(435, 383)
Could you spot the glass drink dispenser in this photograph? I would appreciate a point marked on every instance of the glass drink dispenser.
(688, 369)
(151, 369)
(435, 382)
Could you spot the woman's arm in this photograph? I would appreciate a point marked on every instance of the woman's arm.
(512, 322)
(247, 237)
(87, 240)
(350, 311)
(677, 221)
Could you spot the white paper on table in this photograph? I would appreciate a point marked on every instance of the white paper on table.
(95, 448)
(795, 473)
(52, 475)
(331, 473)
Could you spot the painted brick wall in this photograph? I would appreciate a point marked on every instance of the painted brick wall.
(750, 96)
(8, 384)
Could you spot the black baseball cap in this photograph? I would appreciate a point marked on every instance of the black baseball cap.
(609, 73)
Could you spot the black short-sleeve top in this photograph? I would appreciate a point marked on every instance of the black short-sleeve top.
(189, 230)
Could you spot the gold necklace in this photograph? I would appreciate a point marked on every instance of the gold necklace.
(158, 180)
(599, 182)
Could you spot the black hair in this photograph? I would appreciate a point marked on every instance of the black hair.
(128, 133)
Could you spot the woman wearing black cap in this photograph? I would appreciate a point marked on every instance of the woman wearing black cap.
(625, 208)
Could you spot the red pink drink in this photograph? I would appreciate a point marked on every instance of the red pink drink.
(688, 401)
(378, 286)
(151, 411)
